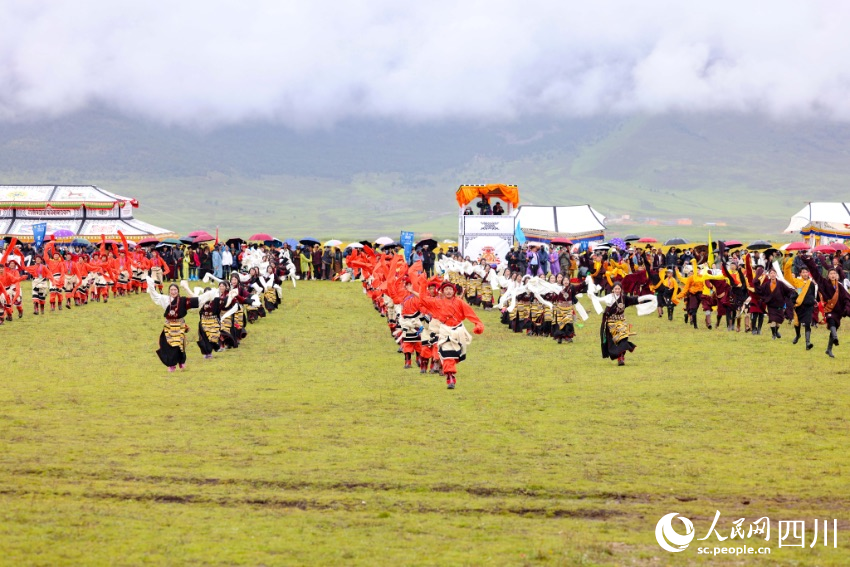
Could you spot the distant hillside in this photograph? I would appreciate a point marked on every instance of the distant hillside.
(360, 180)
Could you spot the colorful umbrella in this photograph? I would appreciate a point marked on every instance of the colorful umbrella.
(63, 233)
(195, 233)
(148, 241)
(384, 240)
(840, 246)
(647, 240)
(732, 244)
(261, 236)
(333, 242)
(203, 238)
(291, 242)
(563, 241)
(618, 242)
(825, 249)
(794, 246)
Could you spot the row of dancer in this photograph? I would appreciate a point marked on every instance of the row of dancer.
(549, 307)
(424, 315)
(226, 307)
(741, 292)
(66, 280)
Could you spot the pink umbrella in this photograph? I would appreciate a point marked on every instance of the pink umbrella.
(794, 246)
(647, 240)
(261, 236)
(195, 233)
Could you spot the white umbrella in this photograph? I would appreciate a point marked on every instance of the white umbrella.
(355, 245)
(384, 240)
(449, 242)
(333, 242)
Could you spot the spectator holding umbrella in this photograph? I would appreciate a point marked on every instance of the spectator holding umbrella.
(337, 265)
(428, 260)
(317, 262)
(327, 260)
(306, 262)
(206, 264)
(194, 264)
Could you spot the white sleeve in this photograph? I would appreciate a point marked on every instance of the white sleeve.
(161, 300)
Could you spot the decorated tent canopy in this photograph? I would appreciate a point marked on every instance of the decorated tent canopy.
(507, 193)
(827, 220)
(578, 223)
(85, 210)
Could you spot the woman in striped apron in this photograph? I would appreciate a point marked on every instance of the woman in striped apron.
(172, 339)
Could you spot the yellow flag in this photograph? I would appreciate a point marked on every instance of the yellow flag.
(710, 252)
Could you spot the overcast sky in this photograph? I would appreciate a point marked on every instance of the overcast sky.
(310, 64)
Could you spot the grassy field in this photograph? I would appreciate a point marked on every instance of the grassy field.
(311, 445)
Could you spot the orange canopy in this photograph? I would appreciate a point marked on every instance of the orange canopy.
(507, 193)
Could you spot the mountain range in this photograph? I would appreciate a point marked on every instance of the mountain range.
(742, 175)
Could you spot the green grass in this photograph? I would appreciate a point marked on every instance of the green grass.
(310, 445)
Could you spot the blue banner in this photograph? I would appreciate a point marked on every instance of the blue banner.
(519, 235)
(406, 240)
(39, 230)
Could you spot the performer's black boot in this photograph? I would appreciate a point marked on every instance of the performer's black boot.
(829, 348)
(833, 332)
(809, 344)
(773, 333)
(669, 313)
(797, 338)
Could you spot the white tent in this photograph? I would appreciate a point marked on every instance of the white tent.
(825, 220)
(580, 222)
(84, 210)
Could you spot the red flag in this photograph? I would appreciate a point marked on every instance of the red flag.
(216, 236)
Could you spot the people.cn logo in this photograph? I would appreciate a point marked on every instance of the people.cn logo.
(668, 538)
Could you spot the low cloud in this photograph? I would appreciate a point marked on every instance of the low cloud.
(310, 65)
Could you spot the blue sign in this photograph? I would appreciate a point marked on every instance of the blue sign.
(406, 240)
(39, 230)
